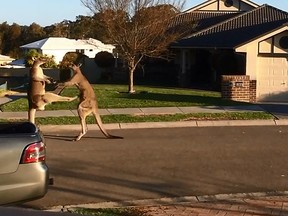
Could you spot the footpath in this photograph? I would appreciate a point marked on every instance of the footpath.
(280, 112)
(275, 203)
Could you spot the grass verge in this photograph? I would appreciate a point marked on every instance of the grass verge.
(109, 212)
(154, 118)
(115, 96)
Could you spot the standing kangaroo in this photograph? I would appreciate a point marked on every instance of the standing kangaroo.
(87, 104)
(37, 97)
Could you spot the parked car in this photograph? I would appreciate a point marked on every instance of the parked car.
(24, 175)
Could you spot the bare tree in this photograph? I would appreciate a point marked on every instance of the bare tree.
(138, 28)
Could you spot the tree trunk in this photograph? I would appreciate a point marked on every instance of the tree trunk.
(131, 81)
(131, 66)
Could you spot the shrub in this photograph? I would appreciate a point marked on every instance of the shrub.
(70, 57)
(34, 54)
(104, 59)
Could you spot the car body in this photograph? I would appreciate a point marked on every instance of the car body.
(24, 175)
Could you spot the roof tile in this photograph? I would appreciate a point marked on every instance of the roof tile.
(238, 29)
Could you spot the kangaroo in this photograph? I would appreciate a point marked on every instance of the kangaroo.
(37, 97)
(88, 102)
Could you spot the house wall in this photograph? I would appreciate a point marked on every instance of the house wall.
(265, 46)
(5, 61)
(272, 44)
(238, 5)
(251, 61)
(277, 48)
(91, 53)
(58, 54)
(267, 63)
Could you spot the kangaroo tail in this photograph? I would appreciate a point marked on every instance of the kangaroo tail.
(103, 130)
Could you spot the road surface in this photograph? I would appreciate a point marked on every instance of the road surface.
(154, 163)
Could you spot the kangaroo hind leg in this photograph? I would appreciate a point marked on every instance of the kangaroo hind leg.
(31, 115)
(83, 113)
(51, 97)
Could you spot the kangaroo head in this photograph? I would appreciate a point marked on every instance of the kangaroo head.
(39, 61)
(75, 68)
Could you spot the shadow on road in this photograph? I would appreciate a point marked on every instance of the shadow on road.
(279, 110)
(69, 138)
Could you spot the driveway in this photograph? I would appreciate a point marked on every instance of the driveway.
(279, 110)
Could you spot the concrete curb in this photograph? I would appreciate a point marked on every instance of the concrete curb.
(168, 201)
(145, 125)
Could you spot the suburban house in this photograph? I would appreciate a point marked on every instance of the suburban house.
(4, 60)
(59, 46)
(236, 46)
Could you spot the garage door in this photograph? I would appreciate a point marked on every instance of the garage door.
(272, 79)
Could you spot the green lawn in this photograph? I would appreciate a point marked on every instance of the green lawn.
(116, 96)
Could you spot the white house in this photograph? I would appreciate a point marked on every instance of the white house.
(4, 60)
(59, 46)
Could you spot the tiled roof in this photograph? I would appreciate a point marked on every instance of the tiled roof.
(202, 19)
(237, 30)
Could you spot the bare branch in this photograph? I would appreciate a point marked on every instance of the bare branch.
(138, 28)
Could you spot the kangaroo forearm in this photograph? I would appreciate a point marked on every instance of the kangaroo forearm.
(47, 77)
(68, 83)
(38, 79)
(41, 79)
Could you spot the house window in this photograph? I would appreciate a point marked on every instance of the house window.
(228, 3)
(80, 51)
(283, 42)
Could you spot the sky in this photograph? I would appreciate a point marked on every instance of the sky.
(49, 12)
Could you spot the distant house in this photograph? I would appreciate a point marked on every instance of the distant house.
(59, 46)
(235, 37)
(4, 60)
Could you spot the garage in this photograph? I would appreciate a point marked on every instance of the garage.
(272, 79)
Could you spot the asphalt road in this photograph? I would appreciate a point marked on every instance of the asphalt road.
(15, 211)
(154, 163)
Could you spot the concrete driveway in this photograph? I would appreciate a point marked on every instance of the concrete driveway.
(279, 110)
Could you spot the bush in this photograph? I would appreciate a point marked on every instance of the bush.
(68, 59)
(34, 54)
(104, 59)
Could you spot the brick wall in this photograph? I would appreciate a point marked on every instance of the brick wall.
(238, 88)
(253, 86)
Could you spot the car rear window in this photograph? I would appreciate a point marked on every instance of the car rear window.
(18, 128)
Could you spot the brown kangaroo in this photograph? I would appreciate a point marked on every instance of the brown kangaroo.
(37, 97)
(88, 102)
